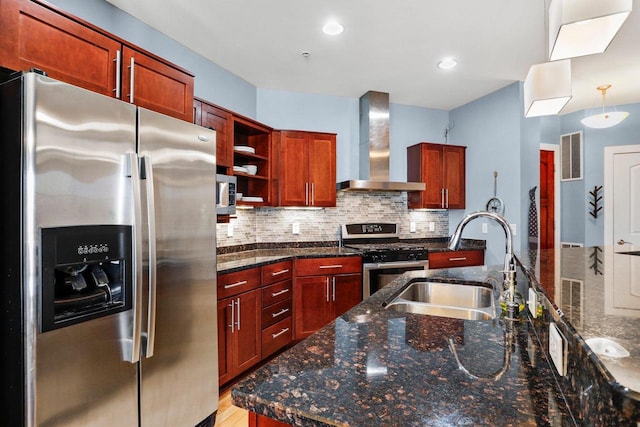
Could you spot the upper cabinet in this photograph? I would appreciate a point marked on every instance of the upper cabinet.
(306, 169)
(442, 168)
(213, 117)
(34, 35)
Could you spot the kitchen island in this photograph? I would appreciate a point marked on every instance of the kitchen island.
(374, 366)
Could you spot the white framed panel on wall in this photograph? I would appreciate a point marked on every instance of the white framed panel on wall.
(571, 158)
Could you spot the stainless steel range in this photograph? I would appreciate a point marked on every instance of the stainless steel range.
(385, 257)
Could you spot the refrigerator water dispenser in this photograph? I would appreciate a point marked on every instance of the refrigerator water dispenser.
(86, 273)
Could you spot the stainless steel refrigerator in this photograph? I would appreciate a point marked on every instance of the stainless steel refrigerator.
(108, 261)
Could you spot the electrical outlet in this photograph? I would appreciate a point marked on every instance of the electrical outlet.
(533, 303)
(485, 227)
(558, 349)
(295, 228)
(432, 226)
(513, 229)
(412, 227)
(230, 229)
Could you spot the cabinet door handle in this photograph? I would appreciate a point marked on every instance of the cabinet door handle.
(131, 79)
(313, 194)
(275, 294)
(233, 285)
(462, 258)
(447, 190)
(306, 194)
(327, 282)
(280, 333)
(117, 90)
(442, 197)
(277, 273)
(233, 316)
(280, 313)
(334, 288)
(238, 314)
(331, 266)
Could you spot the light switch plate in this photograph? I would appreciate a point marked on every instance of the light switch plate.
(558, 349)
(485, 227)
(230, 229)
(533, 303)
(412, 227)
(432, 226)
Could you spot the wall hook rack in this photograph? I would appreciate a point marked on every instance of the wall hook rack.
(595, 202)
(596, 262)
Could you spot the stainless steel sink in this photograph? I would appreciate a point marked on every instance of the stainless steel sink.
(459, 301)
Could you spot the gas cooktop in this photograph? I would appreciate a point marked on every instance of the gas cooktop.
(380, 242)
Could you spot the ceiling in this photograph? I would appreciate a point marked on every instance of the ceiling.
(390, 48)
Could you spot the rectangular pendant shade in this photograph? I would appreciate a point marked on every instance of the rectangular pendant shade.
(584, 27)
(547, 88)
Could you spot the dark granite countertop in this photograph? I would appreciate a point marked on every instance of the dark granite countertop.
(234, 261)
(377, 367)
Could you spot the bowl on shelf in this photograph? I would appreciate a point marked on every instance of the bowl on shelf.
(238, 197)
(240, 169)
(251, 169)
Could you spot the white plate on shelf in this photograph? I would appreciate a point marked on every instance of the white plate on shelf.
(252, 199)
(251, 169)
(240, 169)
(244, 148)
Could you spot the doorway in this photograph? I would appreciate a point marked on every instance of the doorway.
(549, 214)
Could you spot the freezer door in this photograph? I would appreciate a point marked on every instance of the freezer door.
(179, 381)
(74, 144)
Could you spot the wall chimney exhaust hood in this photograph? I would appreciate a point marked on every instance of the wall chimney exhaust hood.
(374, 149)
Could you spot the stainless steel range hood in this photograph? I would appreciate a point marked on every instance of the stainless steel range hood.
(374, 149)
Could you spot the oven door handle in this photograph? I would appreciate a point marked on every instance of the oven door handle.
(398, 264)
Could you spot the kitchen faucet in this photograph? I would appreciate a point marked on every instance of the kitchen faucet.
(509, 270)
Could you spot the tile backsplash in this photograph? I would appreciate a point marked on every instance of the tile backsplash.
(275, 225)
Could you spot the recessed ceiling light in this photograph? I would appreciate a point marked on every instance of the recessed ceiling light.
(332, 28)
(447, 63)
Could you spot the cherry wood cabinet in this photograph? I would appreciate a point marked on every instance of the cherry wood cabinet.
(212, 116)
(239, 323)
(324, 288)
(306, 169)
(277, 309)
(442, 168)
(250, 133)
(38, 35)
(448, 259)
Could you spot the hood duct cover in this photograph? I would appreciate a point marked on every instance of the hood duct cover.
(374, 148)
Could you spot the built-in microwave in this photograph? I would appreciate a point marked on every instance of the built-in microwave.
(226, 194)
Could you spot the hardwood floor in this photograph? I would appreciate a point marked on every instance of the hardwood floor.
(229, 415)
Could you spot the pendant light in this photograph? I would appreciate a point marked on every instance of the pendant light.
(584, 27)
(547, 88)
(604, 120)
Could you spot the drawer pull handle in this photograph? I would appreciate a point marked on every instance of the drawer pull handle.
(331, 266)
(233, 285)
(463, 258)
(280, 313)
(275, 294)
(277, 273)
(285, 330)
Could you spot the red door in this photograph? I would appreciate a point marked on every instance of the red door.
(547, 195)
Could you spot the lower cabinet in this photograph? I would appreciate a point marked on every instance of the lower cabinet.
(239, 323)
(449, 259)
(324, 288)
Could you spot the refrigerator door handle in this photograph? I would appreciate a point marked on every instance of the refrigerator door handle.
(147, 175)
(132, 344)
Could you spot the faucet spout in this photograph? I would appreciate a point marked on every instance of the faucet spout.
(454, 242)
(509, 270)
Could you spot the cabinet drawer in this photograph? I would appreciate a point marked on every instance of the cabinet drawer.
(276, 336)
(276, 313)
(275, 293)
(277, 272)
(240, 281)
(455, 259)
(328, 266)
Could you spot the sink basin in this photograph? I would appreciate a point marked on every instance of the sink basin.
(453, 300)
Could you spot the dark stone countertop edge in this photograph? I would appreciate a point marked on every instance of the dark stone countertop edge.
(257, 255)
